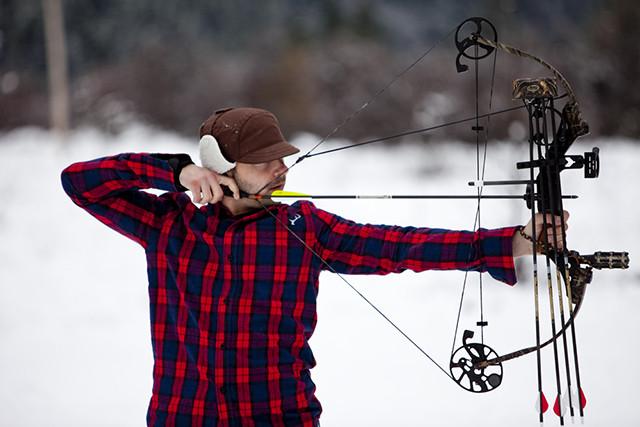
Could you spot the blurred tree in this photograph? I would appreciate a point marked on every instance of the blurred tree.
(331, 17)
(56, 65)
(314, 62)
(614, 36)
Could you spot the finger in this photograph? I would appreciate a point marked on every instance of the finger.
(195, 191)
(218, 194)
(554, 237)
(549, 222)
(205, 188)
(557, 229)
(560, 238)
(558, 219)
(231, 184)
(216, 191)
(551, 219)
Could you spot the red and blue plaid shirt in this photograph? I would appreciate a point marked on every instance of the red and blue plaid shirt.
(233, 298)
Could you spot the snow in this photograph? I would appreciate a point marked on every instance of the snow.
(74, 321)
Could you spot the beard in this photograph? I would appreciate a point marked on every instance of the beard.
(253, 188)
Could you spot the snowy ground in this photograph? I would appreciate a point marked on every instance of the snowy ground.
(74, 334)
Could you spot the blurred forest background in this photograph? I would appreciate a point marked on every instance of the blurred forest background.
(170, 63)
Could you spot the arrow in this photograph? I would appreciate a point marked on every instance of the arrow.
(280, 194)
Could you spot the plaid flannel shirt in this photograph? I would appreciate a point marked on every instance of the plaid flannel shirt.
(233, 298)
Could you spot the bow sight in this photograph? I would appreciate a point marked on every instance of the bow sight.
(475, 366)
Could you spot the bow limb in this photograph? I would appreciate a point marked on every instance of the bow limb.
(573, 312)
(521, 53)
(571, 113)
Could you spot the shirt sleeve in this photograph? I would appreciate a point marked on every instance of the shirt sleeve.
(353, 248)
(109, 188)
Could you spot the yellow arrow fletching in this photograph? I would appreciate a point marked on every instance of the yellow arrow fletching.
(282, 193)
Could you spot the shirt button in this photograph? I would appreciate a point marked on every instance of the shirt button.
(230, 258)
(223, 389)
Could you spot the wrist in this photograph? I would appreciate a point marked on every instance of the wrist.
(521, 246)
(187, 173)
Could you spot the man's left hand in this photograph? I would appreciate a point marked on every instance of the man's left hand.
(522, 246)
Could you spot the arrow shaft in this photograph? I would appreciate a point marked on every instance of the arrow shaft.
(395, 196)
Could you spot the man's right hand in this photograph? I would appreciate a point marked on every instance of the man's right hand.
(205, 185)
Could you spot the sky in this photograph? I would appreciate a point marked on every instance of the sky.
(74, 319)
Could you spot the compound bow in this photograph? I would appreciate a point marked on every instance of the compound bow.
(551, 133)
(475, 366)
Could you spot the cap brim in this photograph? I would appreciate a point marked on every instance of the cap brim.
(272, 152)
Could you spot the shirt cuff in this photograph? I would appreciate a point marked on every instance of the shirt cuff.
(497, 251)
(177, 163)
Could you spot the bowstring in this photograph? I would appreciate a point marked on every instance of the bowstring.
(480, 177)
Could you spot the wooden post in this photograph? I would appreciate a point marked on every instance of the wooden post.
(56, 66)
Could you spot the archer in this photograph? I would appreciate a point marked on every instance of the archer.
(233, 283)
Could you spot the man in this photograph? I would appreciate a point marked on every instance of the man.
(232, 286)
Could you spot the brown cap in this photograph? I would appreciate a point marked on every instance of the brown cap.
(247, 135)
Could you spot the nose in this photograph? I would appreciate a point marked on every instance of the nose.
(281, 169)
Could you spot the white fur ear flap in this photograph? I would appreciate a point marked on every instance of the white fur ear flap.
(211, 157)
